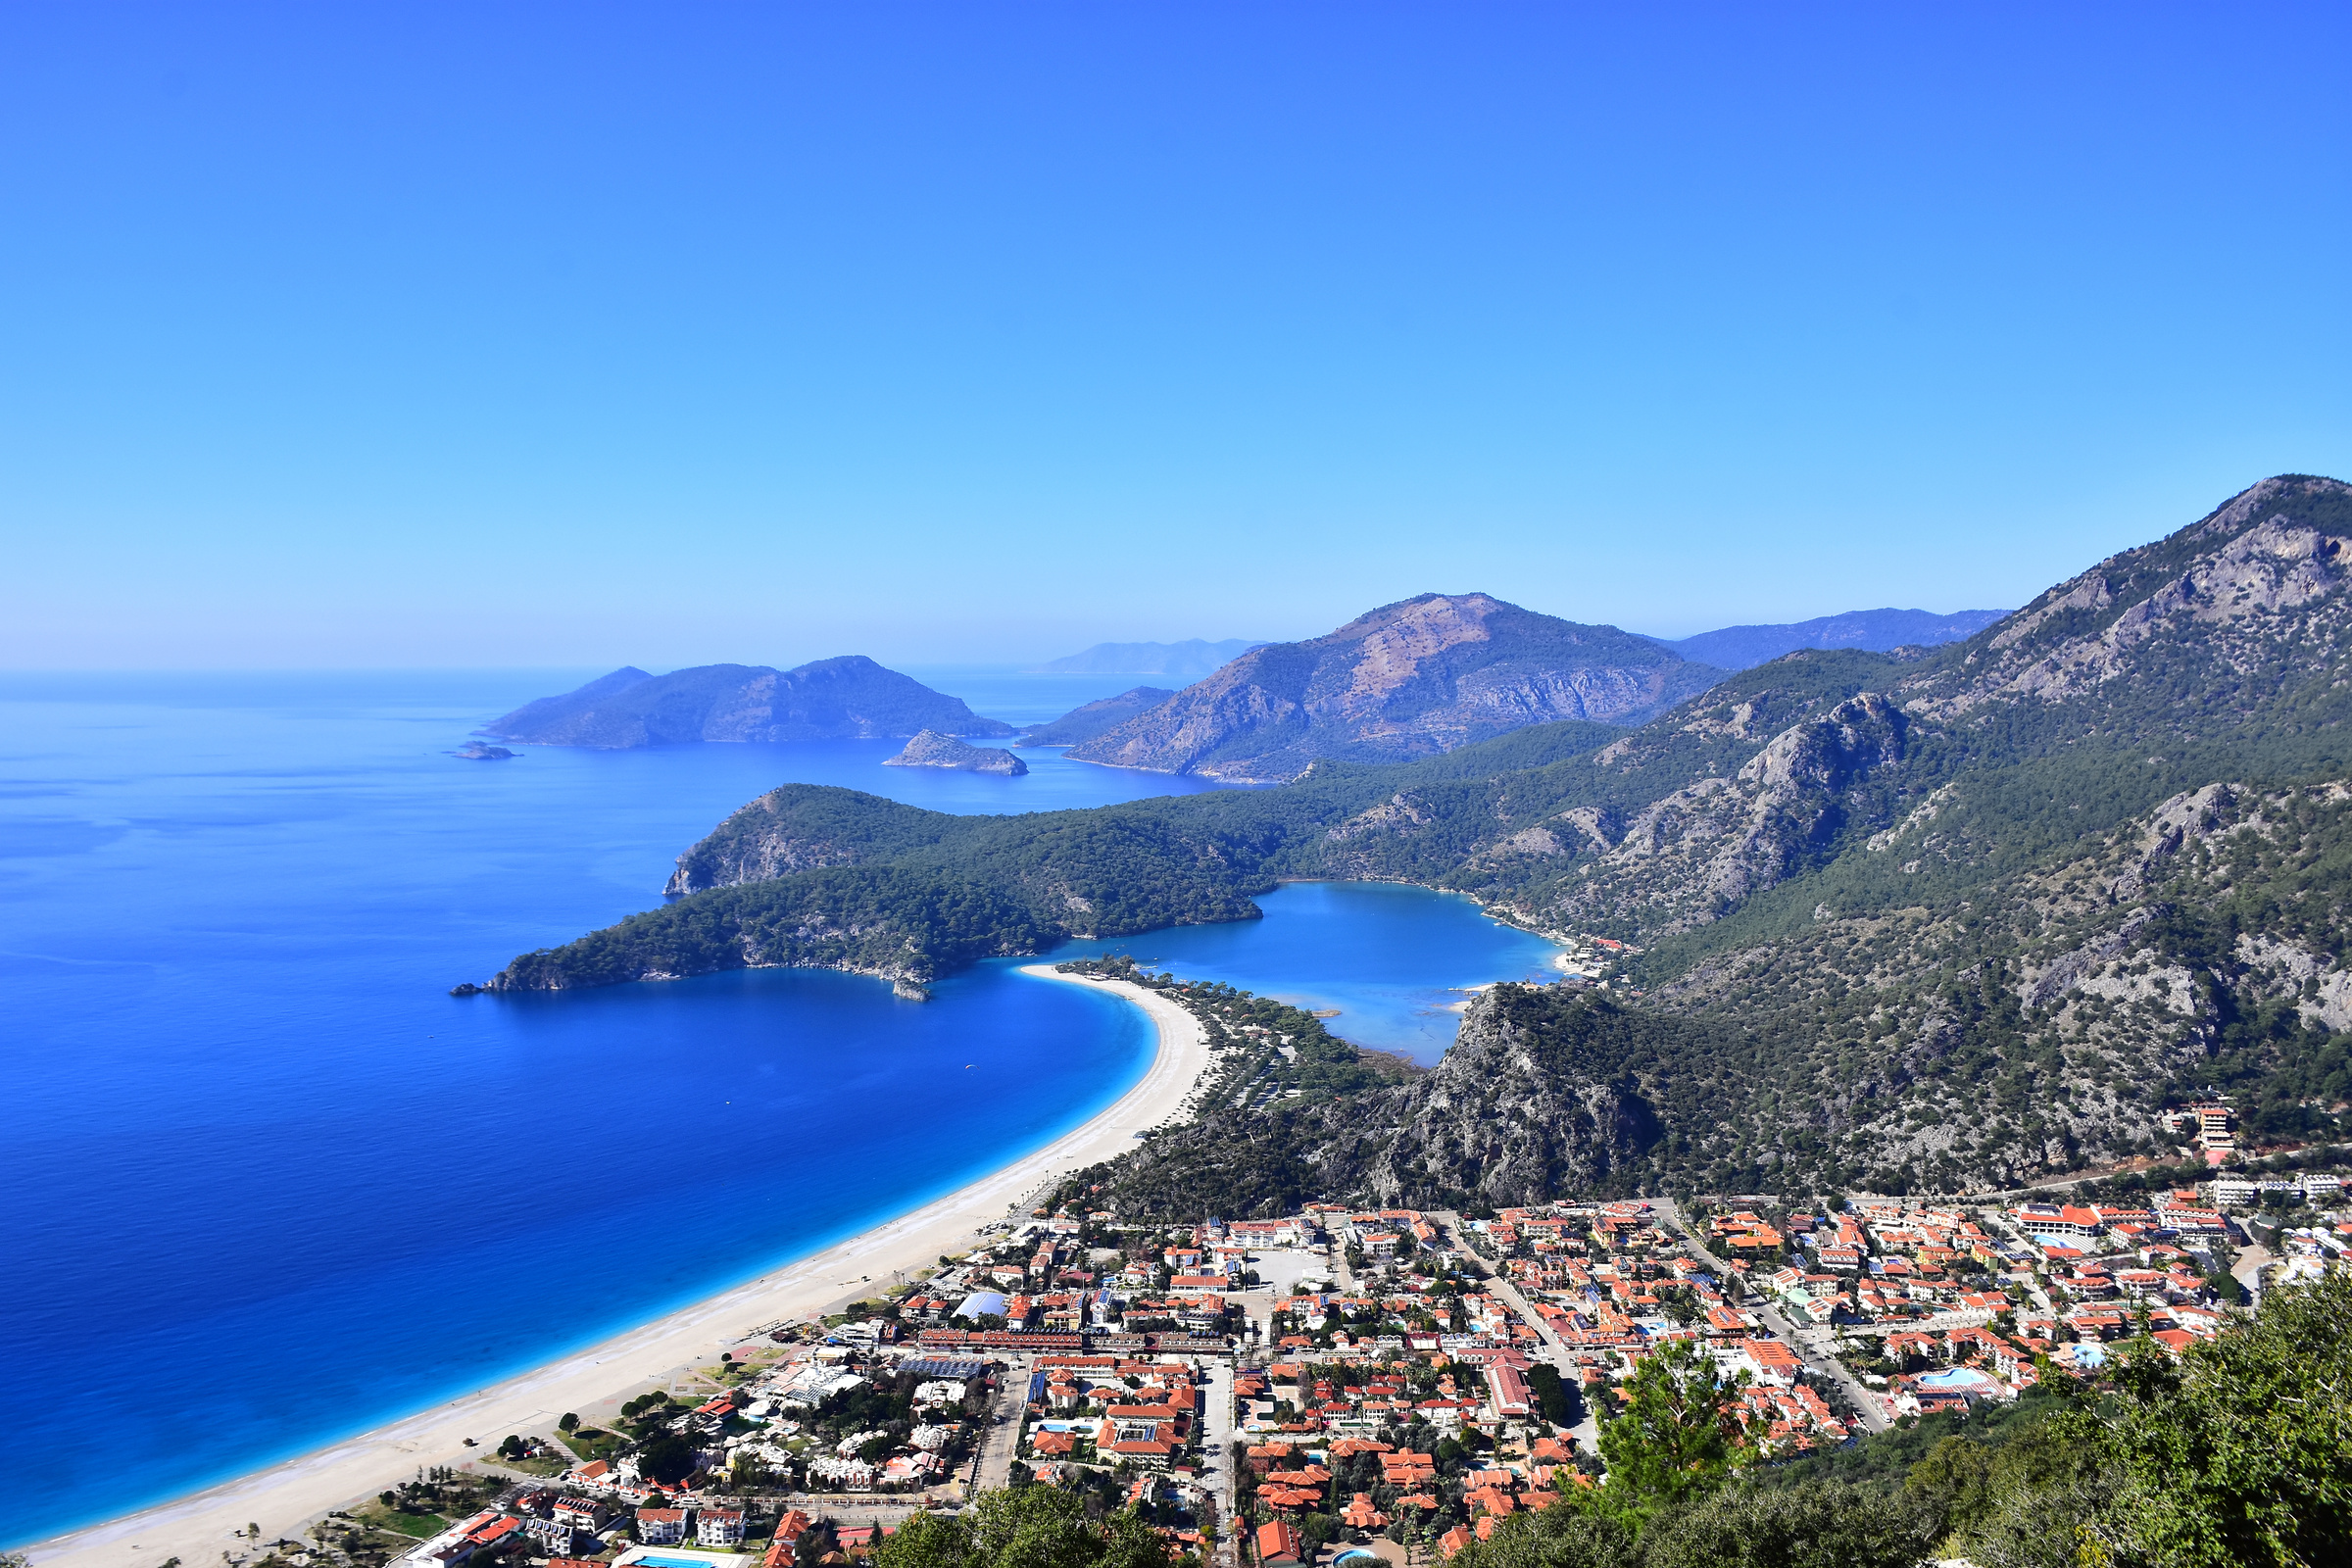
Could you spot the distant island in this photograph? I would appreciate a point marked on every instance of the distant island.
(476, 752)
(1090, 719)
(1880, 631)
(931, 749)
(1188, 659)
(851, 698)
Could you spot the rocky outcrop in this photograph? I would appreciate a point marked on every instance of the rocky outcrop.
(2239, 590)
(803, 827)
(1702, 850)
(1540, 1097)
(931, 749)
(476, 752)
(1534, 1101)
(1410, 679)
(851, 698)
(2071, 969)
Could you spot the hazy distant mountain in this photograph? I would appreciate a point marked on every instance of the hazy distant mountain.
(1090, 719)
(1409, 679)
(851, 698)
(1878, 630)
(1188, 659)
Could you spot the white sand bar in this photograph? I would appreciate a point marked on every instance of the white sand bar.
(287, 1497)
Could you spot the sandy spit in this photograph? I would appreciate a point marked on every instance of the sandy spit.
(285, 1499)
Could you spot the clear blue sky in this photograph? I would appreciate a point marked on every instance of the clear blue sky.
(570, 334)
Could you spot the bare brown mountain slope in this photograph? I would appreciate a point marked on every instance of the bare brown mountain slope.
(1410, 679)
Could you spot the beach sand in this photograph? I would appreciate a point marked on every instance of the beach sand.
(286, 1498)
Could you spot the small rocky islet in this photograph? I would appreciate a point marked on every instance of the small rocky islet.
(931, 749)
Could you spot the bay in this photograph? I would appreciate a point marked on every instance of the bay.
(269, 1184)
(1394, 965)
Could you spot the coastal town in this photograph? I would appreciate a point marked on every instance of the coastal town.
(1339, 1383)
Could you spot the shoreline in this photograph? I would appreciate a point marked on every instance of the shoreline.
(288, 1497)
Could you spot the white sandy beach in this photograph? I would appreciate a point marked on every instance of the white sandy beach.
(285, 1498)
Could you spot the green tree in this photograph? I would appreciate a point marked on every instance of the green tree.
(1557, 1536)
(666, 1458)
(927, 1541)
(1673, 1441)
(1034, 1527)
(1824, 1525)
(2017, 1486)
(2242, 1452)
(1954, 1482)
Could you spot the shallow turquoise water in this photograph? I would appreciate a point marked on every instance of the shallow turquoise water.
(1396, 963)
(259, 1168)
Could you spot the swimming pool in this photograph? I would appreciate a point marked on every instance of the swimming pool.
(1958, 1379)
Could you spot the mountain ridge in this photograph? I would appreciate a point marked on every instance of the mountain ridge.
(1424, 675)
(1090, 719)
(1870, 630)
(1190, 658)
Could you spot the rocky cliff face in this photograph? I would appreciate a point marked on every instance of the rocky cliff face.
(851, 698)
(2242, 599)
(1670, 827)
(1707, 847)
(1534, 1099)
(803, 827)
(1410, 679)
(931, 749)
(1538, 1096)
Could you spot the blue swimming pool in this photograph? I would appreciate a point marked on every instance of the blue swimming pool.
(1958, 1377)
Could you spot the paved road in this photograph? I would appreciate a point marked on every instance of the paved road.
(993, 1466)
(1812, 1346)
(1508, 1290)
(1221, 1451)
(862, 1508)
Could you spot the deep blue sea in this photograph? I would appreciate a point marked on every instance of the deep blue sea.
(266, 1183)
